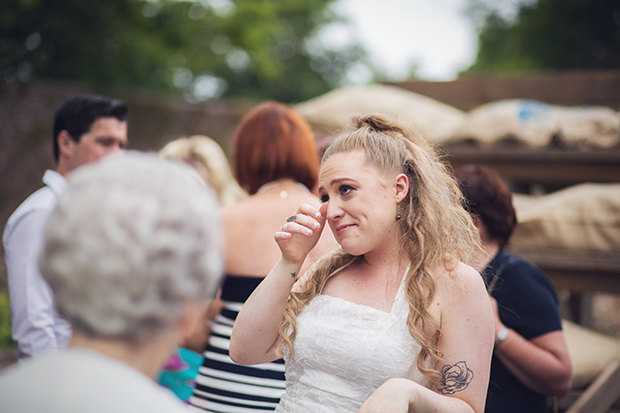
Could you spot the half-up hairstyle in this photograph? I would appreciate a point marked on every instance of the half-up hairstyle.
(435, 229)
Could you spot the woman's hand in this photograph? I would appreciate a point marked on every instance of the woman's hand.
(393, 396)
(403, 396)
(255, 336)
(300, 233)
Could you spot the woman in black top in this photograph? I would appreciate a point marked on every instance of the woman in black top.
(530, 359)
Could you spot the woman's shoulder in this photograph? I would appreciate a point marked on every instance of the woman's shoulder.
(292, 200)
(459, 281)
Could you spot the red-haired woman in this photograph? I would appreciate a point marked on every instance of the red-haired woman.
(275, 160)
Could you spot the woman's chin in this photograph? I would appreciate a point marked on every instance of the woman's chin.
(354, 250)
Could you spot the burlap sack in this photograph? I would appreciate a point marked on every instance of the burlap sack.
(331, 111)
(581, 217)
(535, 123)
(590, 352)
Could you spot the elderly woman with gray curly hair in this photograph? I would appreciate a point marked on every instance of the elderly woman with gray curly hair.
(132, 254)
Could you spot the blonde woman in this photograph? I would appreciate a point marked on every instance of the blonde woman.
(208, 159)
(394, 321)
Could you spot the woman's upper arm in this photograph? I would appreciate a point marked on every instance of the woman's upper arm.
(466, 344)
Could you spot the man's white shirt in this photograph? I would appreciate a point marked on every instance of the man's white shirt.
(37, 327)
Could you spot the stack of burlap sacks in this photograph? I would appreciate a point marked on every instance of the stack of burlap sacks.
(579, 218)
(530, 122)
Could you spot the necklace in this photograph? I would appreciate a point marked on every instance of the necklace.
(284, 192)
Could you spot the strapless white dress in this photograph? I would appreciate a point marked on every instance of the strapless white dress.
(344, 351)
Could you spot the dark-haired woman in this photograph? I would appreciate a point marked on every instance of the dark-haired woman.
(530, 358)
(275, 160)
(394, 321)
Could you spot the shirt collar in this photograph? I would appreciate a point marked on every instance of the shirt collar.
(55, 181)
(495, 262)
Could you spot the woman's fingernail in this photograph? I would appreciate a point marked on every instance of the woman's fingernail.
(317, 214)
(315, 225)
(308, 231)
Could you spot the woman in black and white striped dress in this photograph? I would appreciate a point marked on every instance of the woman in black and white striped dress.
(275, 161)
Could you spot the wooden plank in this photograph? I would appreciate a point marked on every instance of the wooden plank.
(571, 260)
(576, 271)
(544, 173)
(602, 393)
(583, 281)
(565, 402)
(542, 165)
(575, 87)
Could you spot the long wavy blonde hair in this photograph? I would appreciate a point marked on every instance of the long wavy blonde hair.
(435, 229)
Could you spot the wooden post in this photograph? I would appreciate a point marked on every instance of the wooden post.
(602, 393)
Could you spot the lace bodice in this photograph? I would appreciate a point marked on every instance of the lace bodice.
(343, 351)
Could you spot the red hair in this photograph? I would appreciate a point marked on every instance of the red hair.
(489, 198)
(274, 142)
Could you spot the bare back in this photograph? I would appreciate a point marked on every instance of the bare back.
(249, 226)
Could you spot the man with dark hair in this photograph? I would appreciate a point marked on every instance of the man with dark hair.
(86, 127)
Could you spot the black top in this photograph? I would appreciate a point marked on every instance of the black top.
(239, 288)
(527, 303)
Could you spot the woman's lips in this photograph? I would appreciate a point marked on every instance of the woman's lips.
(343, 228)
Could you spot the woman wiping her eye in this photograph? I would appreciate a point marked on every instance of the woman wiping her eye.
(275, 160)
(393, 321)
(344, 190)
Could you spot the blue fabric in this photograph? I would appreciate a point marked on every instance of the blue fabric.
(180, 371)
(527, 303)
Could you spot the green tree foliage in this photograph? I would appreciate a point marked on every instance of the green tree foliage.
(548, 34)
(5, 321)
(250, 48)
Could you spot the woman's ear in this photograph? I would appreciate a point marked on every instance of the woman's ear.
(401, 186)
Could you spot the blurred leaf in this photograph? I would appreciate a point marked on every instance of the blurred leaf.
(252, 48)
(5, 321)
(547, 35)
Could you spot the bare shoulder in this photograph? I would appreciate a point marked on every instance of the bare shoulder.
(460, 282)
(231, 211)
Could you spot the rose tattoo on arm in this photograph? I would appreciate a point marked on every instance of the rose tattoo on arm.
(454, 378)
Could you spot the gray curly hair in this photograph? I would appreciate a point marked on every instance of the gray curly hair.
(132, 239)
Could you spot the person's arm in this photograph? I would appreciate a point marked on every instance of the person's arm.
(255, 336)
(466, 348)
(542, 364)
(406, 396)
(31, 299)
(197, 341)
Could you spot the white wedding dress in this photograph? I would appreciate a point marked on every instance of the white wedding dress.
(344, 351)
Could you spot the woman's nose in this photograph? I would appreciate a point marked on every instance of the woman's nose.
(334, 211)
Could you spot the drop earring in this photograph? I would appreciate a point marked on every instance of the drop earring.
(398, 215)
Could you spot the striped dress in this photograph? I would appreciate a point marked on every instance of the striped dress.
(224, 386)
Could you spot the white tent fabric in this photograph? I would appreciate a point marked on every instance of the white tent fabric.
(536, 124)
(331, 111)
(581, 217)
